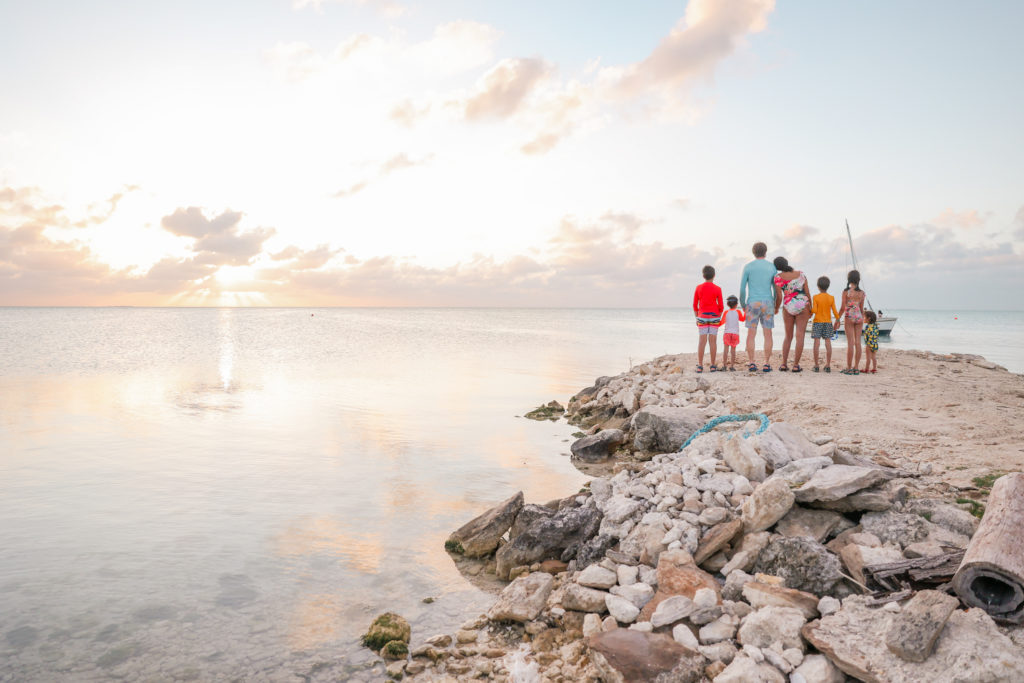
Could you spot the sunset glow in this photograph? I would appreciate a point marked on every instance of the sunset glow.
(447, 154)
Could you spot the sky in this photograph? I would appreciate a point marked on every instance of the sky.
(457, 153)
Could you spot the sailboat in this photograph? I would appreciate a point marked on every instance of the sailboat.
(885, 323)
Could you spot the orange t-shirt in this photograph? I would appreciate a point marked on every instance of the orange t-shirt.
(821, 304)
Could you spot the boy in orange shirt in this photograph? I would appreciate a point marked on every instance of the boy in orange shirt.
(822, 327)
(707, 307)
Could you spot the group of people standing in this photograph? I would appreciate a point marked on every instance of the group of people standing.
(765, 287)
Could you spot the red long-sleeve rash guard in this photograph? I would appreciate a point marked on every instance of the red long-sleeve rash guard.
(707, 298)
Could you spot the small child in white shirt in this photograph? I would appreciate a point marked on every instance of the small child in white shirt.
(731, 332)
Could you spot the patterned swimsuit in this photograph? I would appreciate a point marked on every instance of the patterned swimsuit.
(794, 300)
(871, 336)
(854, 314)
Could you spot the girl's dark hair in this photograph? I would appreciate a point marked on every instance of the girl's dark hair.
(782, 265)
(731, 301)
(823, 283)
(870, 316)
(853, 278)
(708, 272)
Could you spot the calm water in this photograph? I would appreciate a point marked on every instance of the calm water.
(234, 493)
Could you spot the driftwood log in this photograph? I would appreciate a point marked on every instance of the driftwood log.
(991, 575)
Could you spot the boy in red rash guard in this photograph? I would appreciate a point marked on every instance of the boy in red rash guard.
(708, 307)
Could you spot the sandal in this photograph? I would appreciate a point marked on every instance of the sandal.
(817, 369)
(700, 368)
(828, 368)
(752, 367)
(732, 368)
(797, 368)
(714, 368)
(783, 368)
(766, 368)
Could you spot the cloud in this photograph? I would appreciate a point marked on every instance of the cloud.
(391, 63)
(306, 260)
(396, 163)
(1018, 221)
(799, 233)
(504, 88)
(967, 220)
(353, 189)
(923, 263)
(218, 240)
(710, 31)
(407, 113)
(190, 222)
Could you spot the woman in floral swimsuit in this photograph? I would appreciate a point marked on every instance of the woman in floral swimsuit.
(791, 289)
(853, 313)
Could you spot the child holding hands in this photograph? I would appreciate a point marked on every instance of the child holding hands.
(707, 308)
(731, 331)
(824, 308)
(870, 342)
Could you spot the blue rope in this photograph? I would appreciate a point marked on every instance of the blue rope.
(714, 422)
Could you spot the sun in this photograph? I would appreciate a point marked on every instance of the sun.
(232, 276)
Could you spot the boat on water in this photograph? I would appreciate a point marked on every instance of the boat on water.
(886, 323)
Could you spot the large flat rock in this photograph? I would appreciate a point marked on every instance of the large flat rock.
(626, 655)
(664, 428)
(523, 599)
(970, 647)
(919, 624)
(480, 535)
(838, 481)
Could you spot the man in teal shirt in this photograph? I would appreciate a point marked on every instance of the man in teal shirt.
(757, 299)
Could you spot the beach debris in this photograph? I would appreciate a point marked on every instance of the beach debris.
(599, 446)
(991, 575)
(551, 410)
(480, 536)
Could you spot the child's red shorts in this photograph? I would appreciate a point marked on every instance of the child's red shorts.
(731, 339)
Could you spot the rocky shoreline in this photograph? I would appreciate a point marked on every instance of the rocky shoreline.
(788, 554)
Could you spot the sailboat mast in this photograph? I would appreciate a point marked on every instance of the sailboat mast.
(853, 256)
(850, 238)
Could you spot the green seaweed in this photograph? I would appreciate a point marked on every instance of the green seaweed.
(454, 546)
(550, 411)
(986, 480)
(394, 649)
(386, 628)
(977, 509)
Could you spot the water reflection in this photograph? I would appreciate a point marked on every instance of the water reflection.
(256, 483)
(227, 347)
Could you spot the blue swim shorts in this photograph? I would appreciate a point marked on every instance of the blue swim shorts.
(760, 312)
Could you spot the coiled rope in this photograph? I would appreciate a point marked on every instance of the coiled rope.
(715, 421)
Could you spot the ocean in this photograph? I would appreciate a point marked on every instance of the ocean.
(214, 494)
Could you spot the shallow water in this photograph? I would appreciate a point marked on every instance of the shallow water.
(214, 494)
